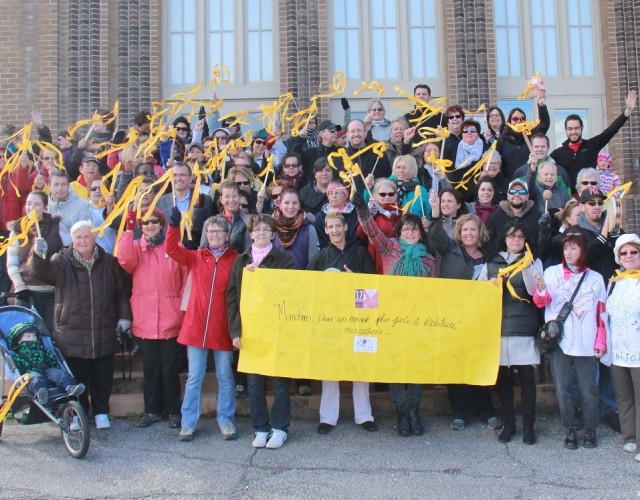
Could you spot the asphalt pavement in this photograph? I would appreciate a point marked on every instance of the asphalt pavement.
(127, 462)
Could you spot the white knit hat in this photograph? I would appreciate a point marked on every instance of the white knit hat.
(622, 241)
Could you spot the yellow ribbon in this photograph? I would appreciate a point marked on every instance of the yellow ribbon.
(370, 86)
(221, 74)
(524, 128)
(475, 171)
(26, 223)
(338, 86)
(530, 86)
(417, 195)
(513, 269)
(624, 189)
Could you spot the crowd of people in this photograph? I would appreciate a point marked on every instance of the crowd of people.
(280, 202)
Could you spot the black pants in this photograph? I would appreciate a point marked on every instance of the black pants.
(97, 376)
(240, 378)
(161, 376)
(470, 400)
(527, 393)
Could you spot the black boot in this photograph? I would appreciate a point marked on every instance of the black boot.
(528, 434)
(570, 440)
(417, 428)
(507, 431)
(404, 429)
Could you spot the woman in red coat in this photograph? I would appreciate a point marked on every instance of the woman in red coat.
(205, 325)
(158, 283)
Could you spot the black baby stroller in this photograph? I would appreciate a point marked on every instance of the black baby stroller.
(63, 410)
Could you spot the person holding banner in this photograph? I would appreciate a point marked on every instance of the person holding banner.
(344, 256)
(271, 429)
(583, 340)
(462, 257)
(407, 254)
(520, 322)
(205, 327)
(33, 292)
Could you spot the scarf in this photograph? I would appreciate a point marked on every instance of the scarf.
(258, 254)
(410, 262)
(155, 241)
(87, 264)
(312, 138)
(468, 153)
(405, 187)
(217, 252)
(294, 180)
(378, 123)
(287, 228)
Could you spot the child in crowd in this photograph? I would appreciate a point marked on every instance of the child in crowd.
(609, 180)
(42, 366)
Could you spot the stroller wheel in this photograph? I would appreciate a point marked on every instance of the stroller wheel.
(75, 429)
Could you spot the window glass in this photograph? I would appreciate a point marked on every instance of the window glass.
(507, 29)
(424, 48)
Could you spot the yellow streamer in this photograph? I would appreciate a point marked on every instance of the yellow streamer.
(338, 86)
(623, 190)
(370, 86)
(475, 171)
(26, 223)
(531, 86)
(514, 269)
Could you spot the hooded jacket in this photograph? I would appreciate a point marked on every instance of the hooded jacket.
(71, 210)
(503, 216)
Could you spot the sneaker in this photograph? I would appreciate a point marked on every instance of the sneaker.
(148, 419)
(102, 421)
(571, 440)
(42, 395)
(637, 457)
(494, 423)
(175, 421)
(629, 447)
(305, 390)
(228, 431)
(241, 391)
(457, 424)
(75, 424)
(185, 434)
(260, 440)
(75, 390)
(277, 439)
(590, 440)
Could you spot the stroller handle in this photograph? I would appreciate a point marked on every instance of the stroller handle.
(8, 295)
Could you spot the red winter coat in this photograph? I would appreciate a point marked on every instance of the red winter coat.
(158, 283)
(11, 204)
(205, 322)
(386, 225)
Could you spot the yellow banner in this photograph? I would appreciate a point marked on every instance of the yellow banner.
(370, 328)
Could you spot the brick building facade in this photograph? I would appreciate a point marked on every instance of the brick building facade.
(69, 57)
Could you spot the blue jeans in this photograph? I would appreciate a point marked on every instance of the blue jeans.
(413, 394)
(60, 378)
(281, 409)
(192, 401)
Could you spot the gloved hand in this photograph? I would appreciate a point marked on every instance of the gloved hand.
(174, 217)
(24, 295)
(131, 220)
(124, 324)
(344, 103)
(358, 200)
(40, 248)
(545, 219)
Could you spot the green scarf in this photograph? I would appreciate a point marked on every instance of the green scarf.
(410, 263)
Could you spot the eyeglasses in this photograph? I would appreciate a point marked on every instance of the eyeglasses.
(215, 231)
(494, 115)
(589, 183)
(470, 131)
(243, 183)
(516, 237)
(182, 129)
(259, 142)
(517, 118)
(95, 188)
(630, 252)
(514, 192)
(291, 165)
(452, 117)
(150, 221)
(410, 229)
(593, 203)
(47, 158)
(376, 109)
(387, 195)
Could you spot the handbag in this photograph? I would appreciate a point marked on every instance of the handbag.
(550, 334)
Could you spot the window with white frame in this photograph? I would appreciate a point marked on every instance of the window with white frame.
(507, 30)
(581, 38)
(544, 37)
(401, 39)
(203, 33)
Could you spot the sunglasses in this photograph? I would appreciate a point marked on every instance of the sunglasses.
(517, 119)
(589, 183)
(521, 192)
(387, 195)
(470, 131)
(150, 221)
(451, 117)
(376, 109)
(243, 183)
(630, 252)
(95, 188)
(516, 236)
(259, 142)
(291, 165)
(274, 196)
(331, 130)
(182, 129)
(593, 203)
